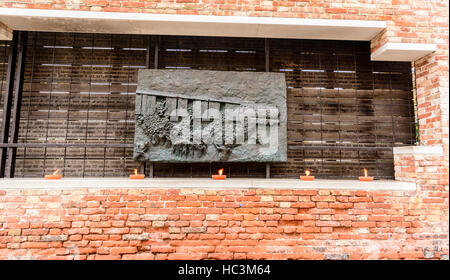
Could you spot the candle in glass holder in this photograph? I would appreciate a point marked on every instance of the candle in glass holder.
(136, 176)
(53, 176)
(307, 177)
(219, 176)
(365, 178)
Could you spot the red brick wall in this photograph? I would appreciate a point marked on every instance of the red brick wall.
(270, 224)
(222, 224)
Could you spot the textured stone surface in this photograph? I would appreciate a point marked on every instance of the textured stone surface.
(160, 92)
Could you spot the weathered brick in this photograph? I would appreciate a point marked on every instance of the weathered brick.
(143, 236)
(54, 238)
(156, 217)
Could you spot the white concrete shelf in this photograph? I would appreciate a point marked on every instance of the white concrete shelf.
(204, 183)
(190, 25)
(402, 52)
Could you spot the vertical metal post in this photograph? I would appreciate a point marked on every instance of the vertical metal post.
(267, 66)
(155, 66)
(148, 52)
(69, 100)
(126, 106)
(142, 168)
(10, 74)
(18, 87)
(107, 102)
(91, 59)
(356, 105)
(49, 106)
(267, 54)
(150, 172)
(143, 165)
(156, 52)
(341, 172)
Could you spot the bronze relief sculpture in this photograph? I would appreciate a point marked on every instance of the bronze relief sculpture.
(210, 116)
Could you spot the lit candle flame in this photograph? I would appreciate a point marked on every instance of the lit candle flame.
(307, 172)
(365, 172)
(56, 171)
(135, 171)
(220, 171)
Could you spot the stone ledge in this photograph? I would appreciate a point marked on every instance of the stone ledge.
(419, 150)
(402, 52)
(110, 183)
(189, 25)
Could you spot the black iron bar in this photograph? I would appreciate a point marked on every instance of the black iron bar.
(156, 61)
(143, 165)
(356, 103)
(375, 119)
(29, 101)
(321, 114)
(5, 46)
(339, 111)
(4, 69)
(267, 54)
(416, 116)
(69, 102)
(17, 101)
(89, 103)
(349, 148)
(107, 103)
(411, 114)
(62, 145)
(49, 103)
(156, 65)
(148, 53)
(302, 97)
(101, 145)
(392, 109)
(9, 91)
(150, 172)
(126, 111)
(267, 66)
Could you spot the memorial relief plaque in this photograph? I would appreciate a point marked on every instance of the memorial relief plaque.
(210, 116)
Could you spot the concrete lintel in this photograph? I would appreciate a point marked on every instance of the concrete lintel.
(6, 33)
(163, 183)
(402, 52)
(195, 25)
(437, 150)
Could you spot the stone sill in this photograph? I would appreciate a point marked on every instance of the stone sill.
(169, 183)
(436, 150)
